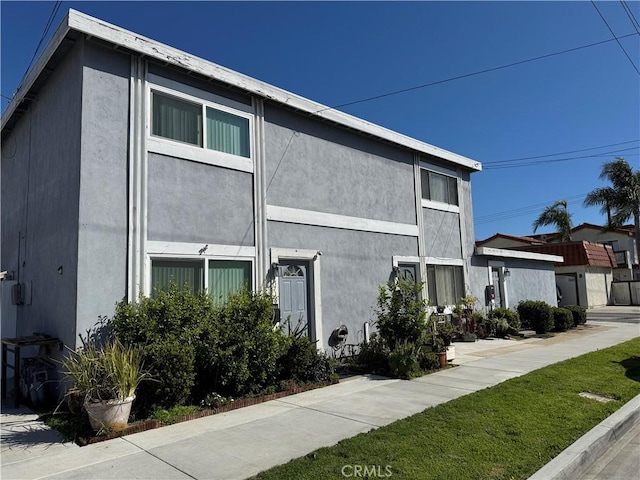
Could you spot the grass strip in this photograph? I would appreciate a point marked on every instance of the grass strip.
(507, 431)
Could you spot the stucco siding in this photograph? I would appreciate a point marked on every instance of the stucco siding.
(315, 166)
(353, 266)
(442, 234)
(195, 202)
(40, 191)
(102, 238)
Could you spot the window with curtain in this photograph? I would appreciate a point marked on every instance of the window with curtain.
(181, 120)
(180, 272)
(228, 276)
(438, 187)
(445, 284)
(176, 119)
(227, 133)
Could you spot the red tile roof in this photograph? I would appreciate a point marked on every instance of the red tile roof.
(577, 253)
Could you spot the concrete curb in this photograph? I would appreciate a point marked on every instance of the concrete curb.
(579, 456)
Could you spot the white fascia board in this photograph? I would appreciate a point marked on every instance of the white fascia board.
(151, 48)
(36, 69)
(501, 252)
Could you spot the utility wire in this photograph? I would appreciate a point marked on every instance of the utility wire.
(47, 27)
(614, 36)
(466, 75)
(631, 16)
(555, 160)
(519, 212)
(559, 153)
(4, 96)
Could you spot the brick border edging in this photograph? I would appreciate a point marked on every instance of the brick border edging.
(240, 403)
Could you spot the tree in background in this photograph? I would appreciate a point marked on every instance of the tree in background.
(621, 201)
(557, 215)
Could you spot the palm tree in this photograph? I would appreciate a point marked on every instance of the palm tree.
(557, 215)
(621, 201)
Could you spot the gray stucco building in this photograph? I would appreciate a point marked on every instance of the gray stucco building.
(126, 162)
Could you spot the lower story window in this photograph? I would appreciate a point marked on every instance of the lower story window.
(221, 277)
(445, 284)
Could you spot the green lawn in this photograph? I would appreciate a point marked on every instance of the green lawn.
(508, 431)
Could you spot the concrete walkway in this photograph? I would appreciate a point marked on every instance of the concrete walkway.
(243, 442)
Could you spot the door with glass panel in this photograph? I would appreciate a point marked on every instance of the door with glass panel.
(294, 298)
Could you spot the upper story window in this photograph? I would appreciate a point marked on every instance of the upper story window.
(438, 187)
(200, 125)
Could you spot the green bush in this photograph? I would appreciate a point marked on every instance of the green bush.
(302, 362)
(404, 361)
(374, 355)
(579, 314)
(195, 347)
(171, 364)
(562, 319)
(537, 314)
(484, 326)
(428, 361)
(401, 312)
(511, 316)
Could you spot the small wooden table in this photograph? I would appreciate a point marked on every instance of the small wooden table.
(14, 345)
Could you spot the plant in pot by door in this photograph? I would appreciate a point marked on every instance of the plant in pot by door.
(106, 378)
(440, 349)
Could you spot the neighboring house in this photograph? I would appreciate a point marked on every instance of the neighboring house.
(622, 241)
(127, 163)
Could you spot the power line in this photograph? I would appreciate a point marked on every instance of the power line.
(614, 36)
(556, 160)
(559, 153)
(4, 96)
(47, 26)
(466, 75)
(519, 212)
(631, 16)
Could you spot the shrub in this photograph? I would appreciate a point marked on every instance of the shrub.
(302, 362)
(428, 360)
(374, 355)
(404, 361)
(511, 316)
(579, 314)
(401, 312)
(537, 314)
(562, 319)
(484, 327)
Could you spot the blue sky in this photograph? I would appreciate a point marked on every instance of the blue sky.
(339, 52)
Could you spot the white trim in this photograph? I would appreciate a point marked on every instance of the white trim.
(456, 262)
(450, 172)
(501, 252)
(194, 153)
(445, 207)
(192, 94)
(422, 245)
(131, 41)
(332, 220)
(398, 259)
(313, 257)
(185, 249)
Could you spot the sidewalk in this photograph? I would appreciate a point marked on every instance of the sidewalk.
(241, 443)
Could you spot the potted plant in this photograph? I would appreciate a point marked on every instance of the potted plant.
(105, 378)
(440, 349)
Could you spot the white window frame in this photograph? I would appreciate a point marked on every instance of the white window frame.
(435, 204)
(196, 153)
(441, 262)
(158, 250)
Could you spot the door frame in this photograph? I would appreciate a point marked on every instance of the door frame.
(502, 284)
(312, 258)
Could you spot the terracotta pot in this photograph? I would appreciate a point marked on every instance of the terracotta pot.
(112, 415)
(442, 357)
